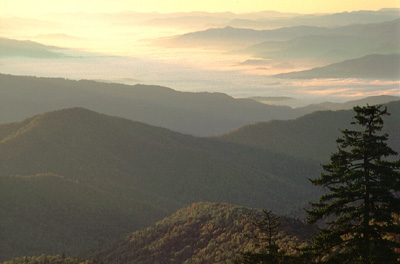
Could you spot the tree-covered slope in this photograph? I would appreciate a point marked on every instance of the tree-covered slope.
(145, 161)
(140, 172)
(312, 136)
(67, 174)
(47, 213)
(200, 233)
(48, 259)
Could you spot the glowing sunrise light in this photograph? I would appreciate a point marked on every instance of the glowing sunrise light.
(27, 8)
(124, 39)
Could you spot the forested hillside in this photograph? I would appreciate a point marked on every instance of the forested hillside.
(74, 178)
(201, 233)
(98, 176)
(311, 136)
(48, 259)
(48, 213)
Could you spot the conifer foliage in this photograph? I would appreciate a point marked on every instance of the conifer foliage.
(268, 228)
(362, 183)
(267, 234)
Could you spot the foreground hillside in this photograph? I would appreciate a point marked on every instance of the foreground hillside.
(48, 213)
(73, 178)
(200, 233)
(55, 259)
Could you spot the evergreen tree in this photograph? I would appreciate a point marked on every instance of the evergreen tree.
(268, 228)
(362, 198)
(267, 231)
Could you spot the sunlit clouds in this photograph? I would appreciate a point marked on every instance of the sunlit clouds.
(348, 88)
(350, 93)
(343, 82)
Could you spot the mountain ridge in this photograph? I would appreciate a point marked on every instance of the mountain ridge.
(27, 48)
(312, 136)
(371, 100)
(231, 36)
(200, 114)
(327, 20)
(143, 172)
(374, 66)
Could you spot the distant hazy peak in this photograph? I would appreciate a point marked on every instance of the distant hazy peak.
(373, 66)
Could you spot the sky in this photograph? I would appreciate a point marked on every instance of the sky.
(28, 7)
(121, 46)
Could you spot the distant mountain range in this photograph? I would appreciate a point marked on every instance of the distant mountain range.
(99, 176)
(321, 20)
(233, 37)
(311, 136)
(17, 48)
(296, 103)
(368, 67)
(200, 233)
(200, 114)
(372, 100)
(383, 36)
(334, 43)
(372, 43)
(267, 19)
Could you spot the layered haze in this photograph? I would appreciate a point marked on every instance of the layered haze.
(239, 53)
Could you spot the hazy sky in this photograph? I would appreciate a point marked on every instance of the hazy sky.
(27, 7)
(135, 57)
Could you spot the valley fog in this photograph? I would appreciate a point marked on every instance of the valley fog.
(190, 51)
